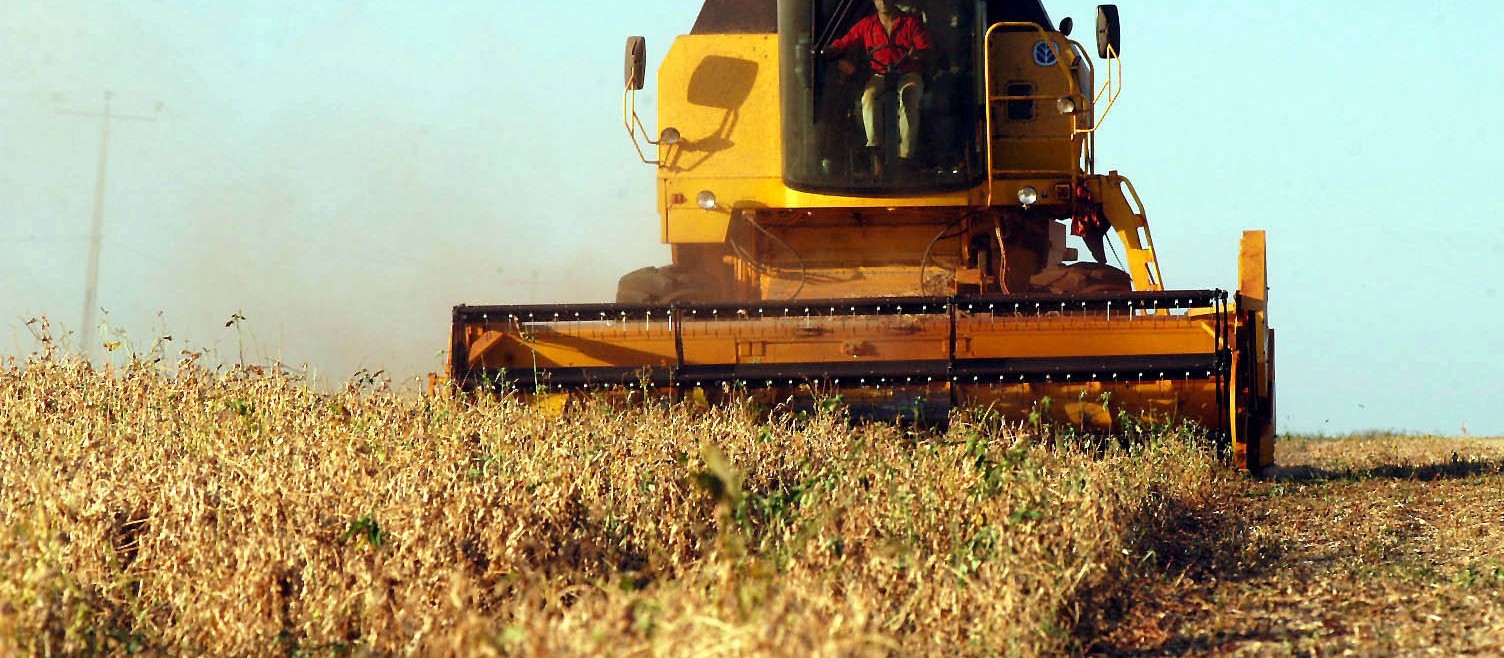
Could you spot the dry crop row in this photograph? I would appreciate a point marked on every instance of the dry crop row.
(239, 511)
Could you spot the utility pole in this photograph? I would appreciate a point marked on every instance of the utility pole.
(96, 227)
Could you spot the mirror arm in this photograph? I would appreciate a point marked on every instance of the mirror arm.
(634, 123)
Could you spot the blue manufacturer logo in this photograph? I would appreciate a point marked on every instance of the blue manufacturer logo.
(1044, 54)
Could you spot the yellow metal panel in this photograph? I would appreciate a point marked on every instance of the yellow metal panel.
(1253, 286)
(721, 93)
(625, 344)
(1099, 406)
(804, 340)
(797, 199)
(691, 225)
(1252, 270)
(769, 191)
(687, 223)
(1047, 140)
(1051, 337)
(1006, 186)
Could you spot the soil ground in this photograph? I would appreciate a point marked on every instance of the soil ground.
(1357, 546)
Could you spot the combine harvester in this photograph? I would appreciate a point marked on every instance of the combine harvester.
(888, 223)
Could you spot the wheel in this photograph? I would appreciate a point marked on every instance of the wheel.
(1103, 278)
(1082, 278)
(659, 285)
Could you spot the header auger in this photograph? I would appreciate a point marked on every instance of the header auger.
(895, 229)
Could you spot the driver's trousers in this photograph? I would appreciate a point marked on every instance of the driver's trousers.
(910, 91)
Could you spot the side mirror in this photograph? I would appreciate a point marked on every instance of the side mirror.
(1066, 25)
(1109, 32)
(637, 62)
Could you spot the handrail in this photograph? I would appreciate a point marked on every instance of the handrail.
(1088, 162)
(1107, 88)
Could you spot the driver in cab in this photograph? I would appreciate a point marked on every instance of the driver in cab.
(897, 45)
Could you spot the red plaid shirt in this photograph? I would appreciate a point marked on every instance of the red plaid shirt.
(908, 34)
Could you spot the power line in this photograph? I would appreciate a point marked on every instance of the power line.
(141, 253)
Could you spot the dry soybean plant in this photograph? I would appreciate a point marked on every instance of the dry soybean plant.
(239, 511)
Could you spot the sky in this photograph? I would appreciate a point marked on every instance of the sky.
(342, 173)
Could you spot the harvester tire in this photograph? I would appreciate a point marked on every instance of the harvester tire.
(658, 285)
(1082, 278)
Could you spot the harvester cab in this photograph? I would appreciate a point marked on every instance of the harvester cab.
(873, 199)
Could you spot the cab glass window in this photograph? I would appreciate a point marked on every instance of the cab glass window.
(873, 106)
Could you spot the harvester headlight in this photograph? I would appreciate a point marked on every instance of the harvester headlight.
(670, 136)
(1066, 105)
(1028, 196)
(706, 200)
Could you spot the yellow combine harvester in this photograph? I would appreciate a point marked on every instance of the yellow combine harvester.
(873, 198)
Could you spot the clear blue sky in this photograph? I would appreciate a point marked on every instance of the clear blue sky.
(345, 172)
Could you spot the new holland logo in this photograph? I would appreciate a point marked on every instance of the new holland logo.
(1044, 54)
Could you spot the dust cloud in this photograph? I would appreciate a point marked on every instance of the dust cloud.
(340, 176)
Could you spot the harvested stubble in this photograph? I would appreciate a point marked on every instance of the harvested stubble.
(1368, 545)
(240, 512)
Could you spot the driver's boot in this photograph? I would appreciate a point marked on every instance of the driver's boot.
(876, 155)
